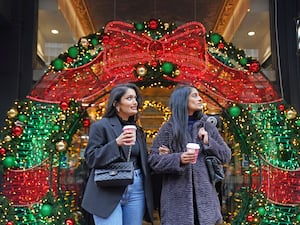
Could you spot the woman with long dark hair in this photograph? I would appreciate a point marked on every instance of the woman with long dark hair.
(124, 205)
(188, 197)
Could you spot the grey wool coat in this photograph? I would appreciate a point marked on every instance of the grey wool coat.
(178, 180)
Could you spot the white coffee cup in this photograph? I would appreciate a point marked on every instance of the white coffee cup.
(131, 128)
(194, 148)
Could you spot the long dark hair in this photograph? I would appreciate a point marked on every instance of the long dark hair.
(180, 116)
(115, 96)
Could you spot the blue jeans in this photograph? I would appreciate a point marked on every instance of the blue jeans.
(130, 210)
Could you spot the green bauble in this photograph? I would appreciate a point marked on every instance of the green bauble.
(261, 211)
(87, 58)
(22, 118)
(243, 61)
(56, 127)
(94, 41)
(73, 52)
(58, 64)
(215, 38)
(234, 111)
(9, 161)
(298, 123)
(139, 26)
(167, 67)
(31, 217)
(46, 210)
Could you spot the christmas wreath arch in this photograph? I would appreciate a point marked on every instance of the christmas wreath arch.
(44, 136)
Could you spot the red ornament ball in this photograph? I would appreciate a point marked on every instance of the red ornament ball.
(64, 105)
(86, 122)
(10, 223)
(69, 59)
(69, 222)
(250, 218)
(254, 66)
(2, 151)
(221, 45)
(17, 131)
(281, 107)
(153, 24)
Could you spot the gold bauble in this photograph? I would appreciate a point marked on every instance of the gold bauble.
(167, 26)
(62, 116)
(92, 112)
(97, 68)
(291, 114)
(295, 142)
(141, 70)
(12, 113)
(177, 72)
(61, 146)
(7, 138)
(84, 42)
(77, 215)
(93, 52)
(73, 160)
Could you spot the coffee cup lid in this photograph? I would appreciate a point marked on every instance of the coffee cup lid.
(129, 127)
(193, 145)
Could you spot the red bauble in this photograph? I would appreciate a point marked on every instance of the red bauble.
(221, 45)
(254, 66)
(69, 222)
(2, 151)
(69, 59)
(153, 24)
(64, 105)
(281, 107)
(86, 122)
(250, 218)
(10, 223)
(17, 131)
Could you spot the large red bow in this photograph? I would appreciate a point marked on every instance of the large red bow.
(185, 47)
(124, 48)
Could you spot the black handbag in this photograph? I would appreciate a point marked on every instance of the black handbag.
(214, 168)
(115, 174)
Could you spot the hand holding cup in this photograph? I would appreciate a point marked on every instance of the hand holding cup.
(129, 134)
(193, 148)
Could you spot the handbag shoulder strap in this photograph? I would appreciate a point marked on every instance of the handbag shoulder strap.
(129, 153)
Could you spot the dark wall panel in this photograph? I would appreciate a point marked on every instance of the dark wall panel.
(18, 48)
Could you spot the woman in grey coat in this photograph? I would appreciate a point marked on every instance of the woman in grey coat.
(187, 197)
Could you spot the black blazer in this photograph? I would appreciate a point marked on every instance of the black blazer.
(101, 150)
